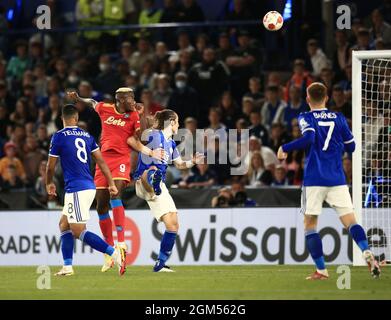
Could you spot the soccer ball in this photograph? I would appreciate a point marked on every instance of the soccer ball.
(273, 21)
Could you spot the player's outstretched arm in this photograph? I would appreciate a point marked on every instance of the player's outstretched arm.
(50, 167)
(97, 156)
(180, 164)
(136, 144)
(73, 96)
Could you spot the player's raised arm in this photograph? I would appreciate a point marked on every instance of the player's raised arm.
(136, 144)
(50, 167)
(73, 96)
(97, 156)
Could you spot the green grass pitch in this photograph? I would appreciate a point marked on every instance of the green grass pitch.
(194, 282)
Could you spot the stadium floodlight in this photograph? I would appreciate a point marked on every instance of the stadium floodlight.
(371, 95)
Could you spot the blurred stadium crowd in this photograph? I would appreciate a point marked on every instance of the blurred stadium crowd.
(212, 80)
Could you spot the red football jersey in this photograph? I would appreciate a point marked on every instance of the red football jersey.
(116, 128)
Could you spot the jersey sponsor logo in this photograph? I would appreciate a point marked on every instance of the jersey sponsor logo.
(116, 122)
(324, 115)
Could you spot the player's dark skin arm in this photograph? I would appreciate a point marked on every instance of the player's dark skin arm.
(50, 167)
(72, 95)
(97, 156)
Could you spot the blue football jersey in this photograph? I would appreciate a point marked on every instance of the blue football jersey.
(323, 163)
(157, 140)
(74, 146)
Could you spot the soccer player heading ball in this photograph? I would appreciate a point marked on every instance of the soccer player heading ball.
(326, 136)
(150, 180)
(120, 132)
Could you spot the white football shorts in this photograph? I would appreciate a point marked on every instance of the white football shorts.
(159, 205)
(77, 205)
(337, 197)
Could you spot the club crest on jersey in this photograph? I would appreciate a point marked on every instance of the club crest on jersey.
(116, 122)
(126, 115)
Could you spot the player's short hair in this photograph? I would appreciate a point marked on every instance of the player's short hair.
(162, 118)
(317, 92)
(123, 90)
(69, 111)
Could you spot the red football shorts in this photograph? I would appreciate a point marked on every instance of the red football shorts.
(119, 167)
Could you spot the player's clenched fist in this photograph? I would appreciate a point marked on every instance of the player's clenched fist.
(281, 155)
(113, 190)
(72, 95)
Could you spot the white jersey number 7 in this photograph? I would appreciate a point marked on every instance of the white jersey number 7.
(331, 125)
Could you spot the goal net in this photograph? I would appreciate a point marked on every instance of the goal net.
(371, 93)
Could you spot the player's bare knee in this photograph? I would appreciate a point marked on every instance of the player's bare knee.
(310, 222)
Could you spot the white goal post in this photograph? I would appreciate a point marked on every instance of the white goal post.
(371, 104)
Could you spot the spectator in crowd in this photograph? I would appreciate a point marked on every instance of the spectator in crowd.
(190, 11)
(268, 156)
(293, 167)
(202, 176)
(41, 81)
(300, 78)
(273, 108)
(317, 58)
(240, 12)
(202, 42)
(150, 13)
(295, 106)
(108, 80)
(248, 105)
(18, 64)
(327, 77)
(61, 73)
(13, 181)
(277, 136)
(126, 51)
(43, 139)
(209, 78)
(52, 117)
(229, 109)
(380, 28)
(11, 160)
(184, 64)
(257, 129)
(346, 84)
(91, 119)
(225, 49)
(257, 174)
(215, 120)
(280, 178)
(148, 76)
(242, 64)
(363, 40)
(21, 114)
(32, 157)
(163, 91)
(224, 198)
(86, 91)
(143, 54)
(150, 106)
(240, 198)
(161, 56)
(40, 198)
(170, 12)
(254, 85)
(342, 55)
(338, 102)
(184, 99)
(35, 54)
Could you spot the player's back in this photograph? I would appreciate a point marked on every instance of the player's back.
(323, 164)
(74, 146)
(157, 140)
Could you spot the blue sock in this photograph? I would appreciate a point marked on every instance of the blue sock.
(358, 234)
(149, 176)
(314, 245)
(166, 245)
(96, 242)
(67, 244)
